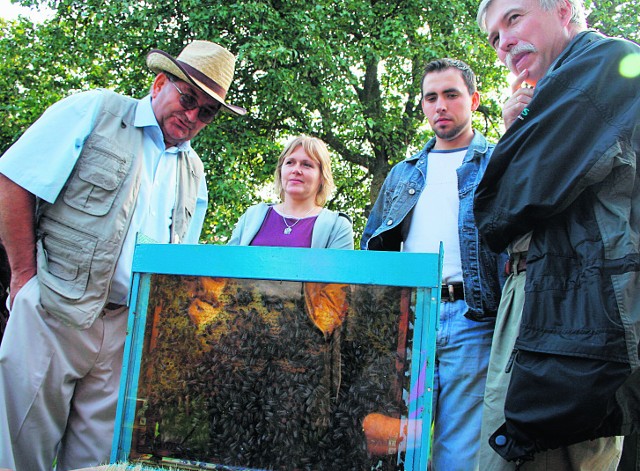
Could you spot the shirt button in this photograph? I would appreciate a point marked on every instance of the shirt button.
(389, 222)
(412, 191)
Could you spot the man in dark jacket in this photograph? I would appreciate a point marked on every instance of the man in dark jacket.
(562, 192)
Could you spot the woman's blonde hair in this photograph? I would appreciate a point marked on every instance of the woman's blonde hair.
(317, 150)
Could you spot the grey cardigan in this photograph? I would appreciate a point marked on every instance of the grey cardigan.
(332, 230)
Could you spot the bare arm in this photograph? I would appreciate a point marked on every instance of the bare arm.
(17, 232)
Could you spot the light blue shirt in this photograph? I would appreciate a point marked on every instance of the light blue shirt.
(42, 160)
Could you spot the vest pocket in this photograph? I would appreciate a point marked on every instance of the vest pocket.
(64, 259)
(99, 173)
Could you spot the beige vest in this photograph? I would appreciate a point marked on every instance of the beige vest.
(80, 236)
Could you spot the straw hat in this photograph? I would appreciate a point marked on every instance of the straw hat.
(206, 65)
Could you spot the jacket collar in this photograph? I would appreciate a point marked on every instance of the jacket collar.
(577, 43)
(478, 145)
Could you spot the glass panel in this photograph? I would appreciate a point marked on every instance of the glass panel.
(269, 374)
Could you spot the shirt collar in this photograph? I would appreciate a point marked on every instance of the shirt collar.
(145, 118)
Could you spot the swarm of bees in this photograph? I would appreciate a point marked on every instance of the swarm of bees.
(245, 373)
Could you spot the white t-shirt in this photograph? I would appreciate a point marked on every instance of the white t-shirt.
(435, 216)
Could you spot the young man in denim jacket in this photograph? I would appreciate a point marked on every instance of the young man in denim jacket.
(427, 199)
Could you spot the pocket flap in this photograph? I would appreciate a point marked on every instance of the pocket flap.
(64, 259)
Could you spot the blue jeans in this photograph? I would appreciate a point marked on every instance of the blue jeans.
(462, 357)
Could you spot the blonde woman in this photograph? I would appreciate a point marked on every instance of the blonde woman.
(309, 330)
(303, 180)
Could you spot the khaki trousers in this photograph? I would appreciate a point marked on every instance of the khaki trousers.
(58, 387)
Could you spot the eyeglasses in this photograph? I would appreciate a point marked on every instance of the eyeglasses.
(189, 102)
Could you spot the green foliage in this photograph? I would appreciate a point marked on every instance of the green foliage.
(615, 18)
(347, 71)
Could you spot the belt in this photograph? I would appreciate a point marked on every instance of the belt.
(516, 264)
(451, 293)
(113, 306)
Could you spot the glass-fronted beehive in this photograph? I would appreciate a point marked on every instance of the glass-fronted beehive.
(278, 358)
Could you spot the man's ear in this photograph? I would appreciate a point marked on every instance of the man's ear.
(160, 80)
(475, 100)
(565, 12)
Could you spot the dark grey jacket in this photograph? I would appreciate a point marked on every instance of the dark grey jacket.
(567, 170)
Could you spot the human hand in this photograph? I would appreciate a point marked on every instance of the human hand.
(518, 101)
(383, 434)
(387, 435)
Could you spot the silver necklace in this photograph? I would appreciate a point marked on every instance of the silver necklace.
(289, 228)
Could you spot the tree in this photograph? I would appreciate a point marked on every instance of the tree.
(347, 71)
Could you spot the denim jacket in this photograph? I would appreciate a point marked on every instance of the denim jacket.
(388, 223)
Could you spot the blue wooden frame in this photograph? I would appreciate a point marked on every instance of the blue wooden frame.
(420, 271)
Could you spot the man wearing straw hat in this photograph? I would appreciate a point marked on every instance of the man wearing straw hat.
(96, 169)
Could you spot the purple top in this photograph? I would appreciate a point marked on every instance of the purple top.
(275, 233)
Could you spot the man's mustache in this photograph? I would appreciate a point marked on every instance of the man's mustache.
(516, 50)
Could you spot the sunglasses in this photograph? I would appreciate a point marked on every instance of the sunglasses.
(189, 102)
